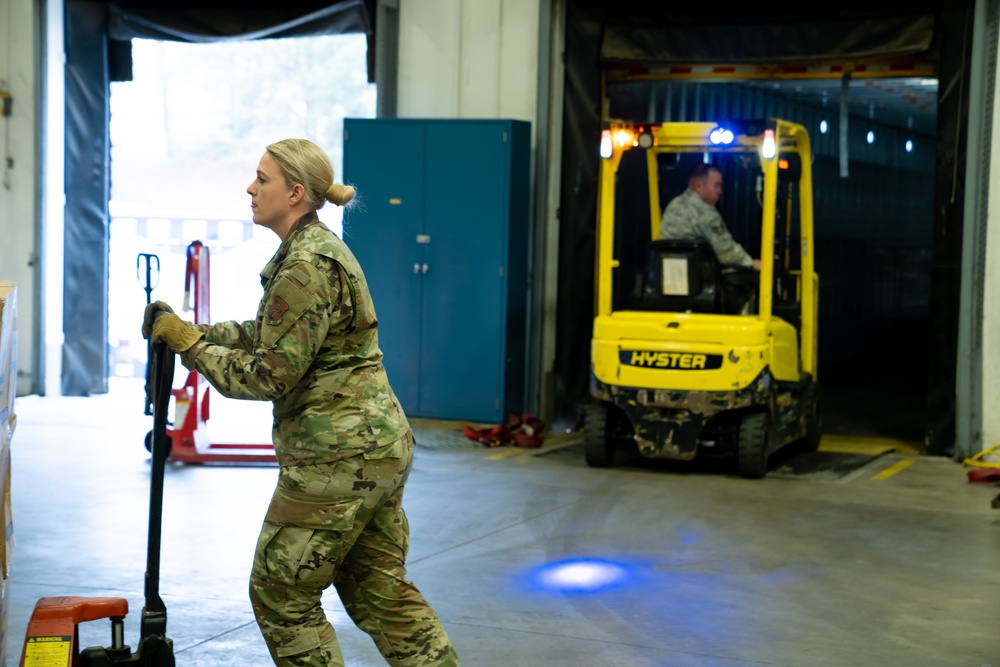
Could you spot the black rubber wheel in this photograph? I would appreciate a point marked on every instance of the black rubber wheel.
(598, 445)
(754, 440)
(149, 443)
(812, 403)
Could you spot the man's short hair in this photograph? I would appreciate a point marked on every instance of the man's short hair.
(700, 171)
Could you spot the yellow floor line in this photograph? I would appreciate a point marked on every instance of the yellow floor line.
(506, 454)
(554, 438)
(895, 468)
(849, 444)
(854, 448)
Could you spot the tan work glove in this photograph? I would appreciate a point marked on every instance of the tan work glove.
(150, 315)
(177, 334)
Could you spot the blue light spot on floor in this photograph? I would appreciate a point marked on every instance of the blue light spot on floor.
(581, 575)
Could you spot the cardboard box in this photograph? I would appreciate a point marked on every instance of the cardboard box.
(8, 420)
(6, 548)
(6, 520)
(6, 545)
(8, 358)
(4, 606)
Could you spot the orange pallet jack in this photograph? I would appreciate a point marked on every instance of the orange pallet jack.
(52, 638)
(189, 441)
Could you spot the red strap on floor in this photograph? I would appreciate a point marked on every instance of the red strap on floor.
(525, 431)
(984, 475)
(491, 437)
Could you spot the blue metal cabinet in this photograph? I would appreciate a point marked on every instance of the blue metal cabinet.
(441, 229)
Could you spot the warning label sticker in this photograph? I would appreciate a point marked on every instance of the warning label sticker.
(47, 651)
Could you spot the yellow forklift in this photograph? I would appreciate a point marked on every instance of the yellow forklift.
(688, 356)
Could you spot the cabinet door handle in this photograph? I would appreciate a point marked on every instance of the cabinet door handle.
(416, 269)
(424, 269)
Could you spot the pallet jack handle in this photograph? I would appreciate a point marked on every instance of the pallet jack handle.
(146, 280)
(52, 638)
(144, 272)
(154, 613)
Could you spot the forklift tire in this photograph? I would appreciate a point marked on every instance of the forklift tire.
(814, 420)
(754, 440)
(598, 445)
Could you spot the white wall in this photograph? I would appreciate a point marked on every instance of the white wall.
(990, 377)
(482, 59)
(19, 142)
(468, 59)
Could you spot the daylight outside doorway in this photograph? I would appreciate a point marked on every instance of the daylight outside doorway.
(186, 134)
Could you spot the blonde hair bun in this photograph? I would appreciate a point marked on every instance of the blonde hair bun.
(339, 194)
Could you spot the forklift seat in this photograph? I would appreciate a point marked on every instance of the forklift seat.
(680, 276)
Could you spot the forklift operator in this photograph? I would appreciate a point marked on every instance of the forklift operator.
(693, 216)
(343, 444)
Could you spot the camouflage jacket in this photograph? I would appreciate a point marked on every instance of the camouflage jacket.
(688, 218)
(313, 351)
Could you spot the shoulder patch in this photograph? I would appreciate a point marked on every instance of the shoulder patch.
(284, 304)
(276, 310)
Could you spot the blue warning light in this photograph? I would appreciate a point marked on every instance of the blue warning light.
(721, 135)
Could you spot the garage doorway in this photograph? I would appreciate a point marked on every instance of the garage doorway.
(186, 135)
(874, 222)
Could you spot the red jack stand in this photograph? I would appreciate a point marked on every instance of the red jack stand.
(189, 441)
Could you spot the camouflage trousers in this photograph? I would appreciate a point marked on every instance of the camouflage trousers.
(342, 524)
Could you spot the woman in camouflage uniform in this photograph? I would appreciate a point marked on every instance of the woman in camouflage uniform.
(343, 444)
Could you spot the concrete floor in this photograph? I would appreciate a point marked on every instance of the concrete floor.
(896, 562)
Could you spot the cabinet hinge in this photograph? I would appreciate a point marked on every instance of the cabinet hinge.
(498, 404)
(505, 137)
(346, 135)
(501, 272)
